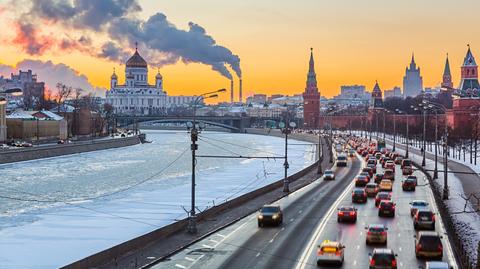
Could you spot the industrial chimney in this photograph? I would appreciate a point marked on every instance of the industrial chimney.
(231, 91)
(240, 92)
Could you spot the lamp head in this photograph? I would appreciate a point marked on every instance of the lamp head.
(222, 90)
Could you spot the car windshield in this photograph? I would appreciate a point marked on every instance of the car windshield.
(269, 209)
(430, 240)
(383, 195)
(412, 177)
(329, 249)
(347, 209)
(419, 203)
(342, 158)
(376, 229)
(358, 191)
(406, 162)
(386, 204)
(388, 172)
(371, 186)
(328, 172)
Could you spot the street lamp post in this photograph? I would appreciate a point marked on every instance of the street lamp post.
(286, 129)
(384, 112)
(424, 135)
(408, 140)
(394, 130)
(435, 171)
(320, 152)
(192, 223)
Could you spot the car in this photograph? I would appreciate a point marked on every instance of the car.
(361, 181)
(382, 196)
(389, 174)
(341, 160)
(376, 233)
(384, 160)
(270, 214)
(408, 185)
(407, 170)
(406, 162)
(414, 178)
(347, 214)
(428, 245)
(383, 258)
(416, 205)
(330, 252)
(390, 165)
(368, 170)
(371, 189)
(398, 160)
(329, 175)
(377, 178)
(386, 185)
(378, 155)
(351, 153)
(373, 167)
(386, 208)
(424, 219)
(366, 174)
(372, 161)
(26, 145)
(437, 265)
(359, 195)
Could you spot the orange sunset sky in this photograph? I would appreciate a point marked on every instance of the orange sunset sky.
(354, 41)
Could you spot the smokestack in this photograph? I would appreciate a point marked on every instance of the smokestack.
(231, 91)
(240, 92)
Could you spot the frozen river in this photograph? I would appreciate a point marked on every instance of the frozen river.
(59, 210)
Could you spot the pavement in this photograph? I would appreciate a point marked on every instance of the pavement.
(309, 218)
(157, 250)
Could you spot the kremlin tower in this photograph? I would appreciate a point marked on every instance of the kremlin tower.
(447, 77)
(377, 100)
(469, 79)
(311, 97)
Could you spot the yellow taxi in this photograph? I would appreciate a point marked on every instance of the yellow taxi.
(386, 185)
(330, 252)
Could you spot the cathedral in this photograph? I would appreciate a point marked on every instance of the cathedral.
(136, 96)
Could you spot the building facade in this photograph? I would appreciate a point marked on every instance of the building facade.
(412, 81)
(377, 99)
(395, 92)
(311, 97)
(136, 96)
(32, 91)
(352, 95)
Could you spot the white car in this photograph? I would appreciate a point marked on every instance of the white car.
(415, 205)
(330, 252)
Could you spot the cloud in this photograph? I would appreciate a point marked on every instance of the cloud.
(29, 39)
(161, 41)
(52, 73)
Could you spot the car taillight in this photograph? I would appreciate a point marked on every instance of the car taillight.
(440, 248)
(419, 247)
(433, 217)
(337, 253)
(320, 252)
(394, 263)
(369, 233)
(383, 233)
(372, 262)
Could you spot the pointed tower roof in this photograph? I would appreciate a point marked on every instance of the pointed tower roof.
(446, 71)
(158, 76)
(114, 76)
(413, 65)
(311, 67)
(413, 58)
(376, 88)
(469, 59)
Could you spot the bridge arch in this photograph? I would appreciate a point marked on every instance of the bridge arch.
(212, 123)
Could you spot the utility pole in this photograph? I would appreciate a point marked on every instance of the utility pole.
(320, 152)
(435, 171)
(394, 130)
(424, 133)
(192, 219)
(408, 140)
(384, 114)
(286, 130)
(445, 166)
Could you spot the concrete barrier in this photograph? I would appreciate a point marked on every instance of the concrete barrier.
(39, 152)
(123, 249)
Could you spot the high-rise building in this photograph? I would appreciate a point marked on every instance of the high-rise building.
(311, 97)
(447, 76)
(412, 81)
(377, 99)
(469, 81)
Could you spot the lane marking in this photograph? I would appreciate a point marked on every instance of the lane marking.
(180, 266)
(302, 262)
(258, 254)
(207, 246)
(189, 259)
(221, 235)
(214, 241)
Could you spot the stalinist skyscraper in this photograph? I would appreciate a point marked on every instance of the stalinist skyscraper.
(412, 81)
(311, 97)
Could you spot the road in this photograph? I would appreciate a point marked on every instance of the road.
(309, 218)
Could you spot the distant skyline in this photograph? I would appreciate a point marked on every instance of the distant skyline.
(355, 42)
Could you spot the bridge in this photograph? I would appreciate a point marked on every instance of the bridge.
(232, 123)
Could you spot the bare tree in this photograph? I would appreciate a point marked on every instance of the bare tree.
(63, 92)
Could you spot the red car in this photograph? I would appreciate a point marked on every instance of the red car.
(386, 208)
(369, 171)
(382, 196)
(347, 213)
(359, 195)
(361, 181)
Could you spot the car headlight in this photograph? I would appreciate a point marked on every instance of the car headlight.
(275, 216)
(260, 216)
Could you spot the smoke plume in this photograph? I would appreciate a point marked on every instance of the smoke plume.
(163, 42)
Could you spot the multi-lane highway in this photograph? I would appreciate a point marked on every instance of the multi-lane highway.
(309, 218)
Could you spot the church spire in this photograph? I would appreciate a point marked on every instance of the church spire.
(311, 68)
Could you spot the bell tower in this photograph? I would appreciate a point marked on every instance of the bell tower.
(311, 97)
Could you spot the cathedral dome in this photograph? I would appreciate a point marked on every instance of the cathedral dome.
(136, 61)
